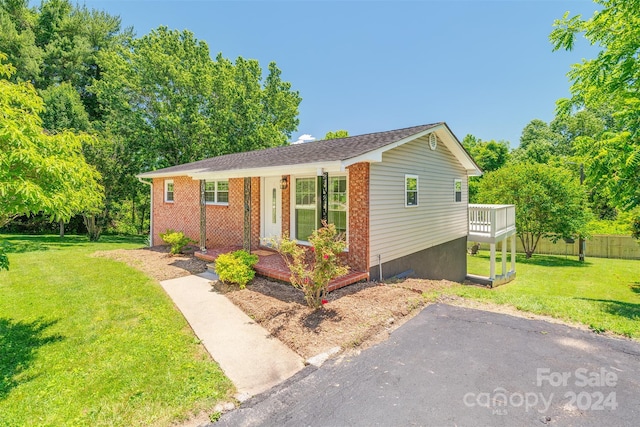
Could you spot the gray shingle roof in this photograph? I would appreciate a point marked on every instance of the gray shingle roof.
(309, 152)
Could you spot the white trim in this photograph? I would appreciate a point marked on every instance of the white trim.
(166, 190)
(300, 169)
(406, 191)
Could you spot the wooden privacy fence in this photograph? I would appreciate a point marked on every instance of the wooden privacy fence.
(598, 246)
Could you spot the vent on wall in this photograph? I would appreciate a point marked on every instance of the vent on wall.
(433, 141)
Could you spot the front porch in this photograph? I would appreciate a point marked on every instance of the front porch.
(494, 224)
(270, 264)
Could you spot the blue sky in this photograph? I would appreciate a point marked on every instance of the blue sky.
(484, 67)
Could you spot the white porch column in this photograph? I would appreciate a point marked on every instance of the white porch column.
(503, 244)
(492, 268)
(513, 253)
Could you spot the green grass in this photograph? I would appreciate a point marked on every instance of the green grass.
(91, 341)
(603, 294)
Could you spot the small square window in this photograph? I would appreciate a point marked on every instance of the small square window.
(168, 190)
(457, 189)
(411, 190)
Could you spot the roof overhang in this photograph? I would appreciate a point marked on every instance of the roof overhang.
(446, 136)
(299, 169)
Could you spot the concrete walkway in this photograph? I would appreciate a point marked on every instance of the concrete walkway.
(253, 359)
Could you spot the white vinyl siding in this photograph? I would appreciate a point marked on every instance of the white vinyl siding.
(396, 231)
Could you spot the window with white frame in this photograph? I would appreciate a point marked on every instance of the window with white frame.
(216, 192)
(306, 207)
(410, 190)
(338, 202)
(168, 190)
(457, 190)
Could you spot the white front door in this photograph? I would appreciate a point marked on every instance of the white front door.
(271, 209)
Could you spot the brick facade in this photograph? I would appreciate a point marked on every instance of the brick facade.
(183, 214)
(286, 208)
(225, 223)
(358, 257)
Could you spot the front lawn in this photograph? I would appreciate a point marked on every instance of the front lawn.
(601, 293)
(91, 341)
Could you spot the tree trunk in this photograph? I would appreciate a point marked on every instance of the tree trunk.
(61, 228)
(93, 229)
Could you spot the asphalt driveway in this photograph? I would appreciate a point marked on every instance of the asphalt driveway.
(462, 367)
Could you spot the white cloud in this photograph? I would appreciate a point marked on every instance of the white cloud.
(304, 138)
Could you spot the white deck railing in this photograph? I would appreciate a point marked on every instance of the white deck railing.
(491, 221)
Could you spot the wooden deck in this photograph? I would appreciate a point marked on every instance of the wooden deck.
(270, 264)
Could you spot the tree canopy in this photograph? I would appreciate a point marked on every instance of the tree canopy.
(341, 133)
(550, 202)
(39, 172)
(148, 102)
(609, 81)
(174, 104)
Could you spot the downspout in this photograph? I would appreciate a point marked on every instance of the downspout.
(150, 184)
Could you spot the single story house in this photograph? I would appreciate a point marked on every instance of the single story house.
(400, 197)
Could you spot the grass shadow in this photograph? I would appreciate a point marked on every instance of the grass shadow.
(20, 342)
(540, 260)
(628, 310)
(635, 287)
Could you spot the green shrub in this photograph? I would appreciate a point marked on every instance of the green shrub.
(176, 239)
(236, 267)
(313, 276)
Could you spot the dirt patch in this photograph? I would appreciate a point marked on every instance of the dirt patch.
(157, 262)
(355, 317)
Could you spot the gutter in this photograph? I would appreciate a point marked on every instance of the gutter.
(150, 184)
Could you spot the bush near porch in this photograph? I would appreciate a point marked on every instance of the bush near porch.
(603, 294)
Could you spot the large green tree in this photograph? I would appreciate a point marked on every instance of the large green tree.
(173, 104)
(39, 172)
(550, 202)
(489, 155)
(611, 81)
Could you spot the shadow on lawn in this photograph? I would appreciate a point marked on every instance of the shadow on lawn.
(542, 260)
(19, 342)
(635, 287)
(618, 308)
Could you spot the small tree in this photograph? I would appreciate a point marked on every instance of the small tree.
(550, 202)
(313, 275)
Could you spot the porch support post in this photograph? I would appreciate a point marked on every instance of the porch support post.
(492, 265)
(513, 253)
(203, 217)
(246, 241)
(323, 200)
(503, 244)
